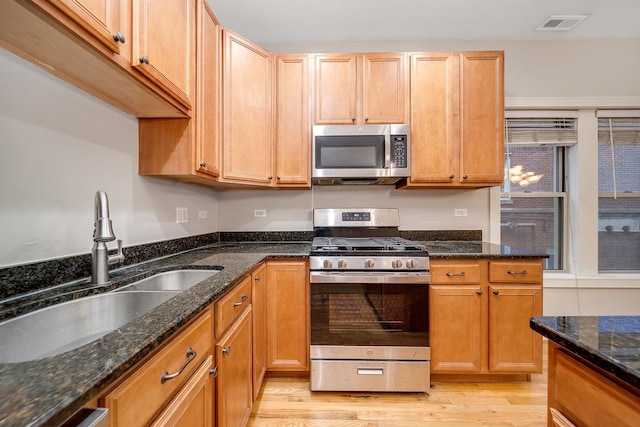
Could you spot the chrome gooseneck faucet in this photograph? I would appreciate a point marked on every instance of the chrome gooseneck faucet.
(102, 233)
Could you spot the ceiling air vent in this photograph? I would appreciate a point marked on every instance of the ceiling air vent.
(561, 22)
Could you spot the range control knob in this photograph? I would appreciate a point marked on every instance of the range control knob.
(412, 263)
(396, 263)
(327, 264)
(342, 264)
(369, 263)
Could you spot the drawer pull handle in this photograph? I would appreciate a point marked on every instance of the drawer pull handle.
(243, 297)
(454, 274)
(517, 272)
(479, 292)
(167, 376)
(496, 292)
(226, 350)
(370, 371)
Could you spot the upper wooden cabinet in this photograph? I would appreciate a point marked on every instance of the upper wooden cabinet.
(164, 44)
(100, 18)
(90, 43)
(361, 89)
(188, 150)
(457, 119)
(247, 154)
(293, 122)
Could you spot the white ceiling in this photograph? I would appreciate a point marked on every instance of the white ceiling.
(326, 21)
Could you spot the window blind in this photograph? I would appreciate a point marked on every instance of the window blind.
(625, 130)
(541, 131)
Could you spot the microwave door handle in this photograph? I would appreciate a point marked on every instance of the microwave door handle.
(387, 151)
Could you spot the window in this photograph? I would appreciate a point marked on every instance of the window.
(533, 198)
(618, 193)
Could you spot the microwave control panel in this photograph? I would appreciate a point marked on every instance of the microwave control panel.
(399, 151)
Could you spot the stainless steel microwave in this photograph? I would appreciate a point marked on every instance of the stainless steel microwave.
(360, 154)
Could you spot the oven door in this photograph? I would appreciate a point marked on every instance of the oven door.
(365, 310)
(369, 335)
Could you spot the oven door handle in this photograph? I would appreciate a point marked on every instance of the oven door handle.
(390, 277)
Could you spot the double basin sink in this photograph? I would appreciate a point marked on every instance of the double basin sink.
(62, 327)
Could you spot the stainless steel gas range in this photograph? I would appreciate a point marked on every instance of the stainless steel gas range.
(369, 304)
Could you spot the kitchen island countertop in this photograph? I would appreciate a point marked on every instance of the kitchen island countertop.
(611, 343)
(47, 391)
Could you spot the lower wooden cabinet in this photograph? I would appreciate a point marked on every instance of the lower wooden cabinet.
(234, 394)
(193, 406)
(581, 394)
(259, 306)
(479, 326)
(150, 391)
(287, 316)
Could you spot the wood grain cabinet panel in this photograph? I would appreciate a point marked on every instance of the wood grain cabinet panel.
(361, 88)
(287, 316)
(481, 328)
(457, 119)
(247, 124)
(234, 382)
(193, 405)
(100, 18)
(144, 394)
(164, 44)
(230, 306)
(259, 307)
(293, 122)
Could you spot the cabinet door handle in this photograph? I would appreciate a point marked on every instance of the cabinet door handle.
(523, 272)
(496, 292)
(465, 176)
(244, 298)
(452, 176)
(479, 292)
(191, 354)
(353, 119)
(144, 60)
(226, 350)
(118, 37)
(257, 278)
(366, 119)
(461, 274)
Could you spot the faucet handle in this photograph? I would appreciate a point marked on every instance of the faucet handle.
(118, 257)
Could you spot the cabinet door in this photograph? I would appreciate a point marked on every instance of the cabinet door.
(259, 307)
(482, 117)
(234, 393)
(293, 124)
(384, 88)
(164, 44)
(513, 346)
(193, 405)
(100, 18)
(247, 141)
(208, 92)
(434, 117)
(335, 89)
(456, 328)
(287, 316)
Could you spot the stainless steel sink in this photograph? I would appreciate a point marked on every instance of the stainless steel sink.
(69, 325)
(175, 280)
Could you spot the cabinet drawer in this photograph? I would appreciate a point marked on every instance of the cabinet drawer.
(589, 398)
(230, 306)
(137, 400)
(468, 273)
(515, 272)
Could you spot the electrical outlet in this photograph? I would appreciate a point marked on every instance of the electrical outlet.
(202, 214)
(260, 212)
(182, 215)
(460, 212)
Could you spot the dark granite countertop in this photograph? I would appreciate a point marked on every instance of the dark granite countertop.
(610, 342)
(47, 391)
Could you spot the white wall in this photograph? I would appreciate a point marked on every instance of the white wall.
(58, 146)
(291, 210)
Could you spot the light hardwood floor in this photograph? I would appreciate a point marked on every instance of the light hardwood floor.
(287, 402)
